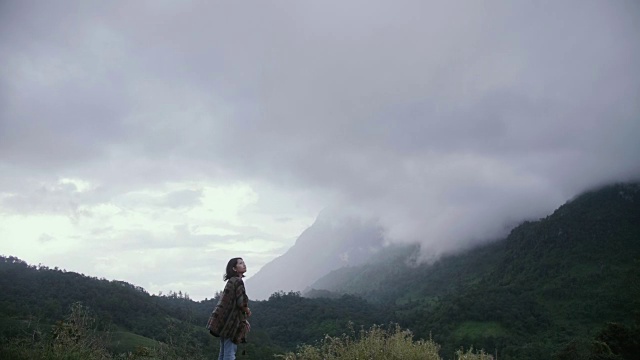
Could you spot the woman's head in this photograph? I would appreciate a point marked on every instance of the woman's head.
(235, 267)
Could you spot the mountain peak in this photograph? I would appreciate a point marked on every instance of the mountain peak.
(334, 240)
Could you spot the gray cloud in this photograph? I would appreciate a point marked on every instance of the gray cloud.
(59, 199)
(45, 238)
(183, 198)
(449, 122)
(180, 237)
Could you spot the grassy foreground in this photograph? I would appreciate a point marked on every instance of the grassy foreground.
(377, 344)
(76, 338)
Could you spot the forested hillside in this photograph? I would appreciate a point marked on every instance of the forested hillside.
(550, 289)
(550, 282)
(40, 296)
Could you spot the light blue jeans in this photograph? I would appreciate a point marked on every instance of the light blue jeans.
(227, 349)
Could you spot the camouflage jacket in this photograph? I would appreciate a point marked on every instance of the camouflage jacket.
(228, 319)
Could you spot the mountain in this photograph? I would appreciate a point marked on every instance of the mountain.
(332, 241)
(597, 227)
(564, 287)
(548, 283)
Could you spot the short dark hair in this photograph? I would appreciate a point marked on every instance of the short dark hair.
(229, 272)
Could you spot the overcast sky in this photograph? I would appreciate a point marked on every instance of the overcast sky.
(150, 141)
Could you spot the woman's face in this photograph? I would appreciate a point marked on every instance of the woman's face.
(240, 267)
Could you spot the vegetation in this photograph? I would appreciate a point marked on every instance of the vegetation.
(77, 337)
(376, 344)
(550, 283)
(565, 287)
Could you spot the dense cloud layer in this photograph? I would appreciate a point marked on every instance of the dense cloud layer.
(447, 121)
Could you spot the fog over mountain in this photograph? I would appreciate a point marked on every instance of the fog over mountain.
(151, 141)
(333, 241)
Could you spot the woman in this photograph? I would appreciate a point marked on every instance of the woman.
(229, 318)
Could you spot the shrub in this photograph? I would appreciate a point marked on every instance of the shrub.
(71, 339)
(376, 344)
(472, 355)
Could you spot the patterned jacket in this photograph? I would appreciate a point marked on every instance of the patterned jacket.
(228, 319)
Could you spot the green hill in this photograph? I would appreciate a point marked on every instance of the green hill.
(34, 299)
(548, 283)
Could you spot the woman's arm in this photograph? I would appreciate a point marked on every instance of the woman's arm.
(242, 300)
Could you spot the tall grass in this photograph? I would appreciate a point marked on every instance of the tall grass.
(76, 338)
(376, 344)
